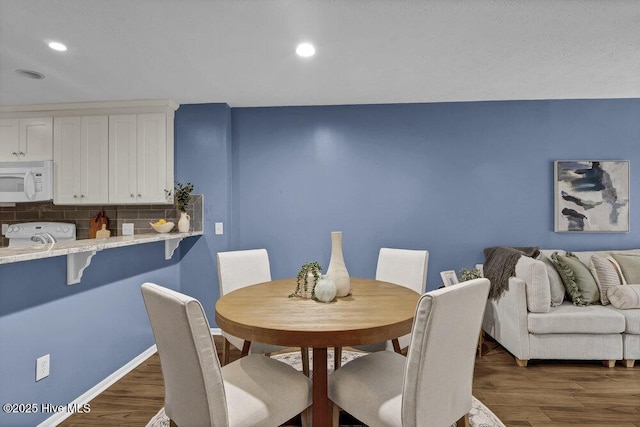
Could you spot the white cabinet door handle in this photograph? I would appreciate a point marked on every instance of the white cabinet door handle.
(29, 185)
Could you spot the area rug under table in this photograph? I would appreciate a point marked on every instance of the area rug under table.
(479, 416)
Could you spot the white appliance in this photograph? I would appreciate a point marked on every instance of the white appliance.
(26, 181)
(33, 233)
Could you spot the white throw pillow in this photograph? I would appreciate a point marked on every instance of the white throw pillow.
(534, 274)
(625, 296)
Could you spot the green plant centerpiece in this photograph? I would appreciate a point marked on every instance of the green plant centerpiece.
(469, 274)
(182, 195)
(308, 268)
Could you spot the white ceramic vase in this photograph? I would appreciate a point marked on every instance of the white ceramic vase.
(184, 222)
(337, 270)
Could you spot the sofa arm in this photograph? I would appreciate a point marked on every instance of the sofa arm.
(505, 319)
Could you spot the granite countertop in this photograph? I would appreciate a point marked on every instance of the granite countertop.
(27, 253)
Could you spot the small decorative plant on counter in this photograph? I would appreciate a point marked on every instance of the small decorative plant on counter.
(181, 198)
(182, 195)
(469, 274)
(307, 279)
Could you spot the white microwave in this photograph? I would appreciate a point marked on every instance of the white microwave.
(26, 181)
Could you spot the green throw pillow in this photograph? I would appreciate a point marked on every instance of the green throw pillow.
(577, 278)
(630, 266)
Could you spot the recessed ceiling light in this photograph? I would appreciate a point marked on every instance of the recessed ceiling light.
(305, 50)
(57, 46)
(30, 74)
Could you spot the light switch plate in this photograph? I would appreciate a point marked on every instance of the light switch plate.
(219, 228)
(127, 229)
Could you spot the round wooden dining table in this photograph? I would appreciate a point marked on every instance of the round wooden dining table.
(374, 311)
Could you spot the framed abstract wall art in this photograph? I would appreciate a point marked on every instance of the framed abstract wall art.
(591, 195)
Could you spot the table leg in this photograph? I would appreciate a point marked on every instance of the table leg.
(321, 416)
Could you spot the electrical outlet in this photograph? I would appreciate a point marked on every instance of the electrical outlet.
(127, 229)
(42, 367)
(219, 228)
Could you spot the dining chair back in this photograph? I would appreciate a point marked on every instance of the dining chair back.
(254, 390)
(403, 267)
(193, 383)
(431, 386)
(237, 269)
(441, 358)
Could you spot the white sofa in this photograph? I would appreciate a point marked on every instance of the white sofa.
(526, 322)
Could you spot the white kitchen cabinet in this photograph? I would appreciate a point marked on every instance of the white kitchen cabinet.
(26, 139)
(140, 158)
(105, 153)
(81, 156)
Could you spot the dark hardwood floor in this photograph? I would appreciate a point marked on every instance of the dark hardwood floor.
(546, 393)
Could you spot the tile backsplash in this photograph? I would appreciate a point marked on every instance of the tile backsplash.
(80, 215)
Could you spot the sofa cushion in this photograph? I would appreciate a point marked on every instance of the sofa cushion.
(577, 279)
(629, 264)
(605, 274)
(534, 274)
(556, 286)
(625, 296)
(632, 319)
(568, 319)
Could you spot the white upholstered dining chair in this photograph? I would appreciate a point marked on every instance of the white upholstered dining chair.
(237, 269)
(403, 267)
(432, 385)
(253, 391)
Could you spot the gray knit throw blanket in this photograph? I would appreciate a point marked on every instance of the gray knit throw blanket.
(500, 264)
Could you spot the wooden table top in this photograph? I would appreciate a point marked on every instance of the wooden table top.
(375, 311)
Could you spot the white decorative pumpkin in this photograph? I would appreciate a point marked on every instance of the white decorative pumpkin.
(325, 289)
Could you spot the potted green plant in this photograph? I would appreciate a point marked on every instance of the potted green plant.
(469, 274)
(307, 279)
(181, 198)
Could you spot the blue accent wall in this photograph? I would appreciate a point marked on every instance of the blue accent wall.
(203, 157)
(452, 178)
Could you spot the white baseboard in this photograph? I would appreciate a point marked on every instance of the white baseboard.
(105, 384)
(99, 388)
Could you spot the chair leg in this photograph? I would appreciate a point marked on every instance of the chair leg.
(521, 363)
(609, 363)
(245, 348)
(305, 360)
(396, 345)
(629, 363)
(463, 422)
(335, 415)
(337, 358)
(305, 417)
(480, 342)
(226, 349)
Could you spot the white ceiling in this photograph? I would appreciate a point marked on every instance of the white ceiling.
(378, 51)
